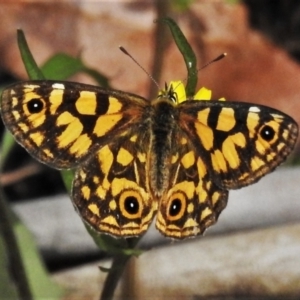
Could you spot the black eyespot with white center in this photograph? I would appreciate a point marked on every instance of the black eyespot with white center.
(35, 105)
(131, 205)
(175, 207)
(267, 133)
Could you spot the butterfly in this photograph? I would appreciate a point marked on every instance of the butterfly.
(172, 157)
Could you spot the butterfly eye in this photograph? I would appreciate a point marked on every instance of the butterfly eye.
(267, 133)
(176, 207)
(131, 204)
(35, 106)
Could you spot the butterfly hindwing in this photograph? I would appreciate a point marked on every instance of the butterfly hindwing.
(111, 188)
(60, 123)
(192, 201)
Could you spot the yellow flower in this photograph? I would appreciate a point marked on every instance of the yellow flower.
(176, 90)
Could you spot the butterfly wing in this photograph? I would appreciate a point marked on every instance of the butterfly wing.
(219, 146)
(61, 123)
(192, 201)
(238, 142)
(111, 188)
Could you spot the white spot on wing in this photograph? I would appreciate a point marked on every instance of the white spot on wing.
(30, 86)
(254, 109)
(276, 116)
(59, 86)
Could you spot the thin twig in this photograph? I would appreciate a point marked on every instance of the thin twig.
(20, 174)
(114, 275)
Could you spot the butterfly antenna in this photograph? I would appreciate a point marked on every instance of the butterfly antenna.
(214, 60)
(149, 75)
(221, 56)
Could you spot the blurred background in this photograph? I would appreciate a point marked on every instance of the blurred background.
(253, 250)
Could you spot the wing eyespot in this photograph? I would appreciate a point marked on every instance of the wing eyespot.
(35, 105)
(176, 207)
(131, 204)
(267, 133)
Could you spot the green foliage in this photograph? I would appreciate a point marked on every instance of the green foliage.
(41, 285)
(62, 66)
(115, 246)
(188, 56)
(233, 1)
(30, 65)
(181, 5)
(7, 287)
(6, 145)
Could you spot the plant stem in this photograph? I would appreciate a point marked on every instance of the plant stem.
(112, 279)
(16, 265)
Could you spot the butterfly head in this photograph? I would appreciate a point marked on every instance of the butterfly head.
(175, 92)
(168, 93)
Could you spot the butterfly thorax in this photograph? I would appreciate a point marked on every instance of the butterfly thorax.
(163, 124)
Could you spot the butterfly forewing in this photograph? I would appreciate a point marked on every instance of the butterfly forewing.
(60, 123)
(239, 142)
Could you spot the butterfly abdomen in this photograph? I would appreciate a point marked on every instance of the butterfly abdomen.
(162, 127)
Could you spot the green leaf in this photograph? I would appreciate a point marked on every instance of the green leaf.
(100, 79)
(104, 270)
(41, 284)
(32, 69)
(7, 288)
(188, 55)
(182, 5)
(7, 144)
(133, 252)
(62, 66)
(67, 176)
(233, 1)
(115, 246)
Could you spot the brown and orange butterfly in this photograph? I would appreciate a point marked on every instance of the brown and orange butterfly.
(135, 158)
